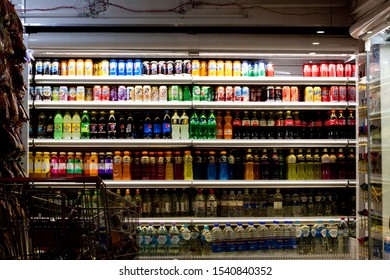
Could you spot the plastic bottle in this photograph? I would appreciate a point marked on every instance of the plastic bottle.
(187, 159)
(184, 243)
(166, 209)
(78, 164)
(252, 238)
(93, 167)
(166, 126)
(45, 164)
(309, 165)
(228, 126)
(200, 204)
(117, 166)
(254, 203)
(325, 165)
(249, 165)
(203, 126)
(147, 131)
(245, 126)
(246, 198)
(184, 203)
(265, 165)
(146, 204)
(275, 165)
(58, 129)
(270, 205)
(150, 240)
(194, 125)
(231, 166)
(178, 166)
(175, 120)
(85, 125)
(111, 126)
(152, 166)
(53, 164)
(229, 238)
(343, 237)
(174, 239)
(211, 126)
(304, 237)
(195, 241)
(67, 126)
(141, 232)
(291, 166)
(206, 241)
(137, 200)
(211, 166)
(126, 166)
(318, 233)
(160, 168)
(61, 164)
(211, 204)
(296, 205)
(331, 237)
(162, 240)
(184, 126)
(263, 237)
(224, 204)
(333, 166)
(217, 235)
(76, 124)
(263, 203)
(239, 204)
(278, 204)
(41, 126)
(108, 166)
(232, 204)
(277, 237)
(223, 166)
(168, 166)
(240, 239)
(300, 165)
(145, 166)
(219, 125)
(102, 165)
(290, 237)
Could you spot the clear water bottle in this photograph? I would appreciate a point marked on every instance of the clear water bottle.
(224, 203)
(232, 204)
(303, 239)
(343, 237)
(200, 204)
(255, 204)
(162, 240)
(150, 240)
(318, 233)
(229, 238)
(246, 198)
(264, 237)
(252, 238)
(278, 204)
(184, 243)
(217, 238)
(195, 241)
(290, 235)
(239, 204)
(277, 237)
(331, 237)
(240, 236)
(141, 231)
(206, 241)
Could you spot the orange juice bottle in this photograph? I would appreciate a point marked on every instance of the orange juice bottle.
(117, 166)
(93, 165)
(126, 166)
(168, 166)
(228, 128)
(219, 119)
(87, 163)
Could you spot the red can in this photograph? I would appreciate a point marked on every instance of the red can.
(353, 74)
(270, 69)
(306, 70)
(294, 94)
(105, 93)
(351, 93)
(286, 95)
(340, 70)
(334, 94)
(324, 71)
(332, 70)
(97, 93)
(348, 70)
(315, 70)
(325, 96)
(221, 94)
(343, 94)
(229, 93)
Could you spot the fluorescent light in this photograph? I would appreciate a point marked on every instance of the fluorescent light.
(369, 32)
(316, 43)
(320, 31)
(312, 53)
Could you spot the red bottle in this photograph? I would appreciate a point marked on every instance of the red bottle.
(160, 166)
(178, 166)
(62, 165)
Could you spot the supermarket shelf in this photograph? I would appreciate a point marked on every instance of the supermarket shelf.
(283, 80)
(220, 105)
(110, 143)
(234, 220)
(110, 105)
(169, 184)
(271, 143)
(118, 80)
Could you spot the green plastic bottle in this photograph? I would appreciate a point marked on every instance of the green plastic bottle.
(211, 126)
(58, 126)
(85, 123)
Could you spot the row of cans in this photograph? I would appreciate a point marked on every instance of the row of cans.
(329, 70)
(220, 68)
(332, 94)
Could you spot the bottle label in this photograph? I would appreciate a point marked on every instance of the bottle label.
(147, 128)
(67, 127)
(162, 239)
(76, 127)
(186, 235)
(111, 127)
(167, 128)
(175, 239)
(289, 123)
(255, 123)
(245, 123)
(78, 167)
(156, 128)
(278, 205)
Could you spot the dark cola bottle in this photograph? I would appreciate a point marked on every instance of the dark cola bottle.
(271, 126)
(237, 126)
(262, 126)
(254, 127)
(279, 125)
(319, 126)
(332, 125)
(246, 126)
(297, 126)
(289, 131)
(264, 165)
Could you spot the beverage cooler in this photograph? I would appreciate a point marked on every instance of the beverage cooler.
(225, 150)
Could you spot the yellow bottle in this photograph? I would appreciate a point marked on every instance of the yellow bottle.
(126, 166)
(93, 166)
(187, 159)
(30, 165)
(38, 165)
(117, 166)
(168, 166)
(46, 165)
(249, 164)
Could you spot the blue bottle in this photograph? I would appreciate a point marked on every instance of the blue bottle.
(231, 163)
(211, 166)
(148, 127)
(223, 166)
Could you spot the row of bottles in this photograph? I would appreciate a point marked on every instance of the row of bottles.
(222, 125)
(278, 238)
(240, 203)
(198, 164)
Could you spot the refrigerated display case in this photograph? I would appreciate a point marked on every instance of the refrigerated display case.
(288, 71)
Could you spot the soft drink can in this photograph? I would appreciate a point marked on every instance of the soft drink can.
(228, 68)
(55, 94)
(55, 67)
(46, 67)
(88, 65)
(46, 93)
(203, 68)
(253, 94)
(317, 94)
(137, 67)
(332, 72)
(63, 93)
(309, 94)
(270, 93)
(348, 71)
(170, 67)
(129, 67)
(278, 94)
(39, 67)
(178, 67)
(121, 93)
(174, 93)
(88, 94)
(96, 66)
(72, 67)
(261, 69)
(113, 93)
(315, 70)
(121, 68)
(351, 93)
(72, 94)
(162, 68)
(236, 68)
(229, 93)
(237, 93)
(146, 91)
(130, 93)
(212, 68)
(294, 94)
(163, 93)
(195, 93)
(340, 70)
(153, 68)
(105, 68)
(220, 68)
(334, 94)
(251, 68)
(306, 70)
(245, 69)
(97, 93)
(270, 69)
(80, 93)
(195, 68)
(343, 94)
(324, 70)
(138, 93)
(154, 93)
(204, 93)
(221, 93)
(286, 94)
(325, 96)
(245, 94)
(80, 67)
(64, 68)
(105, 93)
(187, 67)
(146, 69)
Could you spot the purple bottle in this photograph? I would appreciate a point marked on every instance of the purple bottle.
(108, 166)
(114, 94)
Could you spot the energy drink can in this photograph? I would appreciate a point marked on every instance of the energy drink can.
(97, 93)
(237, 93)
(130, 93)
(317, 94)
